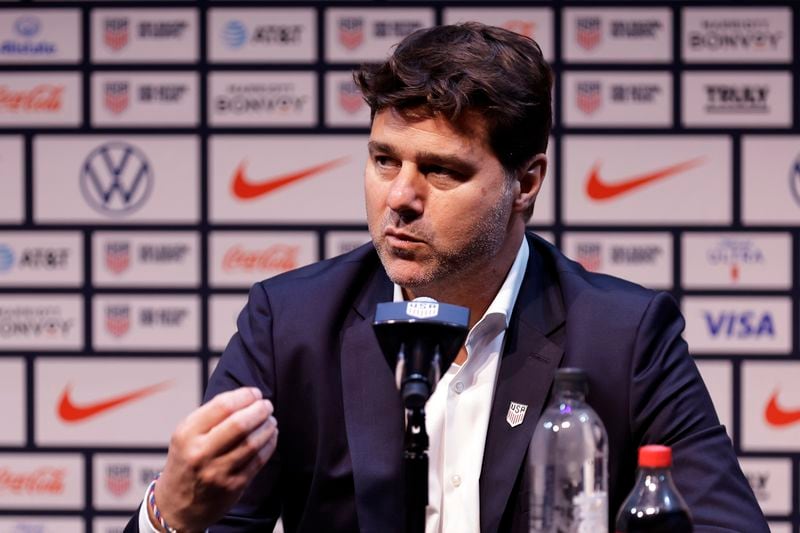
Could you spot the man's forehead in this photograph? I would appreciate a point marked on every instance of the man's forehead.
(468, 134)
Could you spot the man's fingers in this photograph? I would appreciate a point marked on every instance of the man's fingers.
(254, 444)
(236, 428)
(237, 481)
(260, 459)
(220, 407)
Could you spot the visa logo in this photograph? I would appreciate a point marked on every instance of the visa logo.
(739, 325)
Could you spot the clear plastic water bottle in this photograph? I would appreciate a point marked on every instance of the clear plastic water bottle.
(568, 462)
(654, 504)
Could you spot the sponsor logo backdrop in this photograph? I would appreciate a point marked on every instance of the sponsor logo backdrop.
(157, 158)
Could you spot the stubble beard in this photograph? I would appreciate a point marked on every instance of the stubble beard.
(449, 266)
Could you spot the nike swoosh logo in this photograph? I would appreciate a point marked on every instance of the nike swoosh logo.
(777, 416)
(597, 189)
(245, 189)
(71, 412)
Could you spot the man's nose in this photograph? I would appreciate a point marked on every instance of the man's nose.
(406, 195)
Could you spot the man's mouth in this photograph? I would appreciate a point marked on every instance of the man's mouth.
(400, 239)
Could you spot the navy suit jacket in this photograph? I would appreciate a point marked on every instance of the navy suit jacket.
(305, 339)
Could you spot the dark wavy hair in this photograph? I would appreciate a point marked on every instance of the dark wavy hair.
(454, 71)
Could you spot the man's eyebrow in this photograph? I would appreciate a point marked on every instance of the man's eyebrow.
(375, 146)
(454, 162)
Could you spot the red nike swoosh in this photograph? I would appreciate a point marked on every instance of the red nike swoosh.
(597, 189)
(777, 416)
(244, 189)
(70, 412)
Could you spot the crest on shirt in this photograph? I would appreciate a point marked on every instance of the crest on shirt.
(516, 414)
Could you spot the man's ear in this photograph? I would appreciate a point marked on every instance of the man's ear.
(529, 182)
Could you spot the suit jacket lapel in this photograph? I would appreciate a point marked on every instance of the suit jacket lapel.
(373, 414)
(533, 351)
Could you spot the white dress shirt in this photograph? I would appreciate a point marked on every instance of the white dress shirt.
(457, 414)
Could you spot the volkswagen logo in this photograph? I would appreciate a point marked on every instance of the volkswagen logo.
(116, 179)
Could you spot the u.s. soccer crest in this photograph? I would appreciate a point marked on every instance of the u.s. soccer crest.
(116, 96)
(350, 97)
(516, 414)
(351, 32)
(116, 33)
(118, 256)
(589, 256)
(588, 96)
(118, 479)
(422, 309)
(588, 32)
(118, 319)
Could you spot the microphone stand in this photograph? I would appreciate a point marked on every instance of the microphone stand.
(415, 458)
(423, 341)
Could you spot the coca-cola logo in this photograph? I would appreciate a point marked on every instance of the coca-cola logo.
(42, 97)
(278, 257)
(45, 480)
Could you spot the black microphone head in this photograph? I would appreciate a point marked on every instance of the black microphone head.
(424, 336)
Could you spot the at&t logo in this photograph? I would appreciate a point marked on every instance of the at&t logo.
(6, 258)
(116, 179)
(235, 34)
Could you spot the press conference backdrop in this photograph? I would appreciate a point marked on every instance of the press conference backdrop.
(158, 158)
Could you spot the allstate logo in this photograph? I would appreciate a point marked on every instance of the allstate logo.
(6, 258)
(235, 34)
(794, 180)
(27, 26)
(116, 179)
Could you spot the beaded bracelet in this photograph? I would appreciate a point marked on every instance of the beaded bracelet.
(151, 500)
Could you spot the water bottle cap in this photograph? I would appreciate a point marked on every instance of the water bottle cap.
(571, 375)
(655, 456)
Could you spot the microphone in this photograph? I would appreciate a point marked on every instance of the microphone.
(423, 338)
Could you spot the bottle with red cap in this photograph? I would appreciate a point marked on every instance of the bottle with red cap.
(654, 505)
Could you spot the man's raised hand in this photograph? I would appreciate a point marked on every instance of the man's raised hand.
(213, 455)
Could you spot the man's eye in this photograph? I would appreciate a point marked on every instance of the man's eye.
(440, 171)
(444, 175)
(384, 161)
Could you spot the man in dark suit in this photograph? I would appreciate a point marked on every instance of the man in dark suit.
(461, 118)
